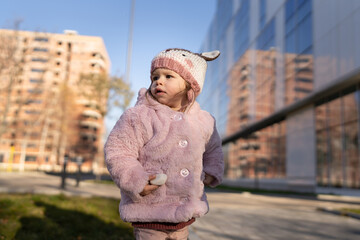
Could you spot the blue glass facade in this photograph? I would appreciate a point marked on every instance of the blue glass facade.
(272, 89)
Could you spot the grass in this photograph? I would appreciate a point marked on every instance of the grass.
(60, 217)
(351, 210)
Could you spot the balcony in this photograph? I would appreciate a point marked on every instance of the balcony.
(91, 114)
(90, 124)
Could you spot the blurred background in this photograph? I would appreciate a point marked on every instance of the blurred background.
(284, 92)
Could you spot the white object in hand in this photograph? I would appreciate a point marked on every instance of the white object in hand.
(159, 180)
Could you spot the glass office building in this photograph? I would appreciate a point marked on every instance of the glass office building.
(286, 92)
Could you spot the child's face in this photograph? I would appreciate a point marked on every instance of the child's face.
(168, 88)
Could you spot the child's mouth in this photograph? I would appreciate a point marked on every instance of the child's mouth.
(159, 91)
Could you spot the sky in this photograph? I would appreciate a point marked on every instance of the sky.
(158, 25)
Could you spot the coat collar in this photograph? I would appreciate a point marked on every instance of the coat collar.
(144, 99)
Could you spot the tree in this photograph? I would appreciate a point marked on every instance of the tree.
(107, 91)
(11, 67)
(66, 112)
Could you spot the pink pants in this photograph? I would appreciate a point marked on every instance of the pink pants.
(151, 234)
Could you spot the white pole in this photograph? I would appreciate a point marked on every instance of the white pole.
(130, 41)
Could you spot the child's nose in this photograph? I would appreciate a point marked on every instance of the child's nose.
(160, 81)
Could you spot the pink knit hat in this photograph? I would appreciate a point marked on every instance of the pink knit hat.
(190, 66)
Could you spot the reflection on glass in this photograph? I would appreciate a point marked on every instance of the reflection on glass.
(351, 144)
(261, 155)
(298, 50)
(261, 69)
(338, 142)
(321, 147)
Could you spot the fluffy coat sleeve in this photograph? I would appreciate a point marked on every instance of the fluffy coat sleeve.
(213, 160)
(122, 153)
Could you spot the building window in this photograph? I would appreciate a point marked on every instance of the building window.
(35, 91)
(36, 80)
(32, 112)
(30, 158)
(1, 158)
(37, 49)
(32, 145)
(41, 39)
(36, 101)
(38, 70)
(39, 60)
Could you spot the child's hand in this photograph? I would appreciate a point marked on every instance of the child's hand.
(149, 188)
(208, 179)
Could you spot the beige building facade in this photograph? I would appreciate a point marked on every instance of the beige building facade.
(44, 114)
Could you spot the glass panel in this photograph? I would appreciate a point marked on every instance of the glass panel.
(241, 30)
(334, 123)
(351, 155)
(261, 155)
(322, 161)
(334, 113)
(298, 47)
(351, 163)
(335, 160)
(337, 128)
(305, 34)
(262, 14)
(321, 145)
(320, 115)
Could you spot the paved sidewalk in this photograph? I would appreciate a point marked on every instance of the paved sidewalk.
(41, 183)
(249, 216)
(232, 215)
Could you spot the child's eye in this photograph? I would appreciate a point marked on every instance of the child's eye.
(169, 76)
(154, 78)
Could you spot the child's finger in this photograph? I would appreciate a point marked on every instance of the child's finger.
(151, 177)
(153, 187)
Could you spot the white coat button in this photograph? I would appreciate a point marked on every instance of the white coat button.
(183, 200)
(184, 172)
(177, 117)
(183, 143)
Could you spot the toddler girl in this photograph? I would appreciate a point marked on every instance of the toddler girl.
(162, 151)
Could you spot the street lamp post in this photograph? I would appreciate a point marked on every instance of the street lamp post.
(63, 175)
(79, 160)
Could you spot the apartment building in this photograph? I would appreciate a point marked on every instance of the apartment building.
(45, 115)
(285, 93)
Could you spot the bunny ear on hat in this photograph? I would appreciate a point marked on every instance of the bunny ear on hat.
(209, 56)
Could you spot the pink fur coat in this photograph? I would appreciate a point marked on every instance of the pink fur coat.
(151, 138)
